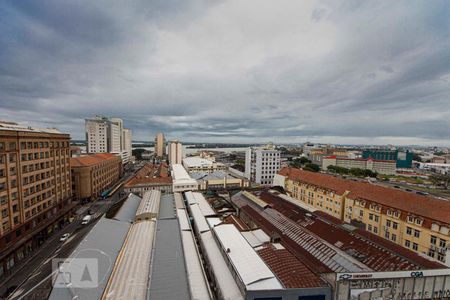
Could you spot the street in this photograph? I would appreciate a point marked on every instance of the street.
(32, 280)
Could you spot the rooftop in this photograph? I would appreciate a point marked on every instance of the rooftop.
(290, 270)
(325, 246)
(424, 206)
(216, 175)
(91, 159)
(151, 173)
(196, 161)
(11, 126)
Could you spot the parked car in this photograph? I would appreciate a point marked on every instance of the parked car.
(64, 237)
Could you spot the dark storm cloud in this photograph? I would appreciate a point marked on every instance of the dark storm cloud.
(231, 70)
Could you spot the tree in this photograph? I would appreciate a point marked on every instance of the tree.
(137, 153)
(299, 162)
(311, 167)
(416, 157)
(441, 180)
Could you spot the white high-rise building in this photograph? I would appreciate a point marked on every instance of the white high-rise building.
(127, 142)
(175, 152)
(108, 135)
(261, 164)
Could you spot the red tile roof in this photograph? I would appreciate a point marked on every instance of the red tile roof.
(151, 173)
(424, 206)
(289, 269)
(92, 159)
(312, 235)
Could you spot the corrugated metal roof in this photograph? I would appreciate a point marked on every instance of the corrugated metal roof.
(199, 199)
(199, 219)
(150, 203)
(197, 281)
(183, 219)
(168, 278)
(127, 211)
(256, 237)
(227, 286)
(103, 242)
(179, 201)
(129, 279)
(179, 173)
(250, 267)
(167, 207)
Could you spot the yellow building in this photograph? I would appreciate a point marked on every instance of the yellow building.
(416, 222)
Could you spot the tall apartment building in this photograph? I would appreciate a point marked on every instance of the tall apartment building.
(35, 189)
(127, 142)
(160, 145)
(107, 135)
(261, 164)
(175, 149)
(93, 174)
(419, 223)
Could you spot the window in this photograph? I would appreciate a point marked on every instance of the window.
(394, 225)
(369, 227)
(375, 229)
(394, 237)
(442, 243)
(370, 216)
(433, 240)
(408, 230)
(377, 218)
(12, 146)
(361, 213)
(386, 235)
(407, 243)
(415, 247)
(441, 257)
(416, 233)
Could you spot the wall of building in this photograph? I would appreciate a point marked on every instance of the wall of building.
(397, 226)
(35, 190)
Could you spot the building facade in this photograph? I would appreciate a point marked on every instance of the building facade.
(386, 167)
(261, 164)
(35, 189)
(107, 135)
(403, 158)
(93, 174)
(160, 145)
(419, 223)
(175, 149)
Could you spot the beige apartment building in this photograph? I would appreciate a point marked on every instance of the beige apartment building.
(35, 189)
(160, 145)
(94, 174)
(419, 223)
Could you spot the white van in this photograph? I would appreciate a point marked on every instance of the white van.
(86, 219)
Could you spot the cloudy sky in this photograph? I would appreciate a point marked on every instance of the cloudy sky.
(231, 71)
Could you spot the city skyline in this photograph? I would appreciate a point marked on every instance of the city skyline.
(364, 73)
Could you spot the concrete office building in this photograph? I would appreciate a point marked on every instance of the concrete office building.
(386, 167)
(107, 135)
(160, 145)
(181, 180)
(175, 149)
(94, 174)
(35, 189)
(261, 164)
(418, 223)
(403, 159)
